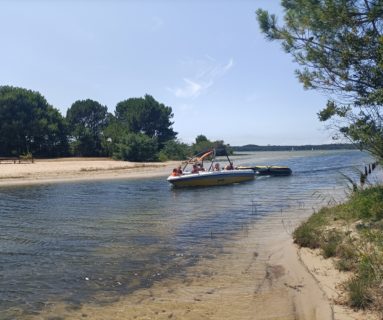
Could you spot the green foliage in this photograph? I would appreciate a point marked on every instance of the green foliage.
(201, 139)
(359, 250)
(307, 236)
(136, 147)
(348, 256)
(339, 47)
(202, 144)
(365, 287)
(359, 293)
(309, 233)
(112, 136)
(141, 129)
(146, 116)
(366, 204)
(330, 243)
(28, 124)
(174, 150)
(86, 120)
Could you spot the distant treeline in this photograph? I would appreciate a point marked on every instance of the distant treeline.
(140, 129)
(253, 147)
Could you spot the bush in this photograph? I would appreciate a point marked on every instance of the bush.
(309, 233)
(359, 293)
(367, 204)
(174, 150)
(348, 256)
(307, 236)
(362, 254)
(136, 147)
(330, 242)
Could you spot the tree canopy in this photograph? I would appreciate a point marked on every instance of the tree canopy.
(86, 121)
(339, 46)
(140, 130)
(147, 116)
(202, 143)
(28, 124)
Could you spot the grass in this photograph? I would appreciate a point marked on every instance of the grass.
(352, 233)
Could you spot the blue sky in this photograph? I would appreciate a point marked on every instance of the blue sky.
(204, 58)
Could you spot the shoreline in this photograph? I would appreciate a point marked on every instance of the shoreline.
(257, 279)
(65, 170)
(254, 279)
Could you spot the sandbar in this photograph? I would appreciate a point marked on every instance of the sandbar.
(78, 169)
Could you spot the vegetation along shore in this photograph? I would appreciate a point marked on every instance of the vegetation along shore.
(350, 236)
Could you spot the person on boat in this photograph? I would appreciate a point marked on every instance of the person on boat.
(200, 167)
(179, 170)
(216, 167)
(195, 169)
(175, 172)
(230, 166)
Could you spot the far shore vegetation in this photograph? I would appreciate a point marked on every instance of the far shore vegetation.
(139, 130)
(334, 146)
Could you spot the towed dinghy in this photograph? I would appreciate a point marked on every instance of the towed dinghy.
(269, 170)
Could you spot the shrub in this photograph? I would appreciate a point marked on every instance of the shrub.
(309, 233)
(367, 204)
(348, 256)
(359, 293)
(136, 147)
(174, 150)
(307, 236)
(330, 242)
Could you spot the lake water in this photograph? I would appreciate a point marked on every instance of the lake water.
(69, 242)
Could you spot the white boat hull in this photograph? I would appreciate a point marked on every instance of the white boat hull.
(211, 178)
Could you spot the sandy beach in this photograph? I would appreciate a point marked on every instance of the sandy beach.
(76, 169)
(252, 280)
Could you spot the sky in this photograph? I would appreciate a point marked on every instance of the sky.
(206, 59)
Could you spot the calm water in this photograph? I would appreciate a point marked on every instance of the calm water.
(71, 242)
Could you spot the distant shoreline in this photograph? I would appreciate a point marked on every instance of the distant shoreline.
(254, 147)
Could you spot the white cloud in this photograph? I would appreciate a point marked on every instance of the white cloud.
(208, 72)
(191, 89)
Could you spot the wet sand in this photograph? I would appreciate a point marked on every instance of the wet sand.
(260, 275)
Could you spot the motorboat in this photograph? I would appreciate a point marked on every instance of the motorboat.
(213, 176)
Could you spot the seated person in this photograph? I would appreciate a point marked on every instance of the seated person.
(195, 169)
(179, 170)
(175, 172)
(230, 166)
(216, 167)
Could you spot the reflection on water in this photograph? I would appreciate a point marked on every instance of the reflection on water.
(70, 241)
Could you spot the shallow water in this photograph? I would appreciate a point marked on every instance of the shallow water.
(71, 242)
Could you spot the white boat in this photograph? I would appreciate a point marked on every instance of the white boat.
(210, 177)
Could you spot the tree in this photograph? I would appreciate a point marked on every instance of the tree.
(202, 144)
(339, 46)
(147, 116)
(201, 139)
(136, 147)
(174, 150)
(28, 124)
(86, 120)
